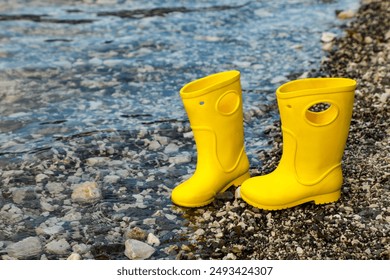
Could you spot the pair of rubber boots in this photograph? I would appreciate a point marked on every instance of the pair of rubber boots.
(313, 142)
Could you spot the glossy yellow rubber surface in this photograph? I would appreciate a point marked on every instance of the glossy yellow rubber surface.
(214, 108)
(313, 145)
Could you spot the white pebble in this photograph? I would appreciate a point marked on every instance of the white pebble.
(111, 179)
(97, 160)
(137, 250)
(327, 37)
(153, 240)
(40, 177)
(74, 256)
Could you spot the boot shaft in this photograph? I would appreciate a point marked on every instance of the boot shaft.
(214, 108)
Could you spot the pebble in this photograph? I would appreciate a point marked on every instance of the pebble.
(135, 233)
(19, 195)
(11, 213)
(74, 256)
(54, 187)
(111, 179)
(41, 177)
(181, 159)
(28, 247)
(149, 221)
(80, 248)
(154, 145)
(43, 229)
(347, 14)
(86, 192)
(171, 148)
(153, 240)
(278, 79)
(237, 193)
(97, 160)
(327, 37)
(137, 250)
(58, 247)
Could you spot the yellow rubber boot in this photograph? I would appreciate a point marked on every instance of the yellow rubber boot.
(214, 108)
(313, 145)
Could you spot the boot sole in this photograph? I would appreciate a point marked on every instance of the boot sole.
(236, 182)
(318, 199)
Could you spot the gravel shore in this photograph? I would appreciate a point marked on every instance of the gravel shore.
(358, 225)
(75, 187)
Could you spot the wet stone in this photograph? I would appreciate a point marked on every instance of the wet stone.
(28, 247)
(58, 247)
(136, 233)
(137, 250)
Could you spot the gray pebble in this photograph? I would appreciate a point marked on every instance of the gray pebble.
(58, 247)
(28, 247)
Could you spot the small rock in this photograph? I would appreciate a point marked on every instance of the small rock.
(12, 213)
(153, 240)
(74, 256)
(80, 248)
(58, 247)
(170, 217)
(154, 145)
(135, 233)
(97, 160)
(40, 177)
(28, 247)
(137, 250)
(179, 159)
(278, 79)
(149, 221)
(230, 256)
(207, 215)
(237, 193)
(347, 14)
(19, 195)
(368, 40)
(328, 37)
(171, 148)
(54, 187)
(72, 215)
(111, 179)
(327, 46)
(43, 229)
(162, 139)
(86, 192)
(199, 232)
(189, 134)
(12, 173)
(46, 206)
(299, 250)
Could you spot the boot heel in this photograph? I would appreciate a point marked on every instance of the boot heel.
(327, 198)
(238, 181)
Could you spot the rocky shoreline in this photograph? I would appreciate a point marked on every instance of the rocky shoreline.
(105, 193)
(357, 226)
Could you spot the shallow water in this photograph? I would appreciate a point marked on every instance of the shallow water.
(84, 79)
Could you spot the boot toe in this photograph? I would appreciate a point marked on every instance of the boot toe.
(184, 195)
